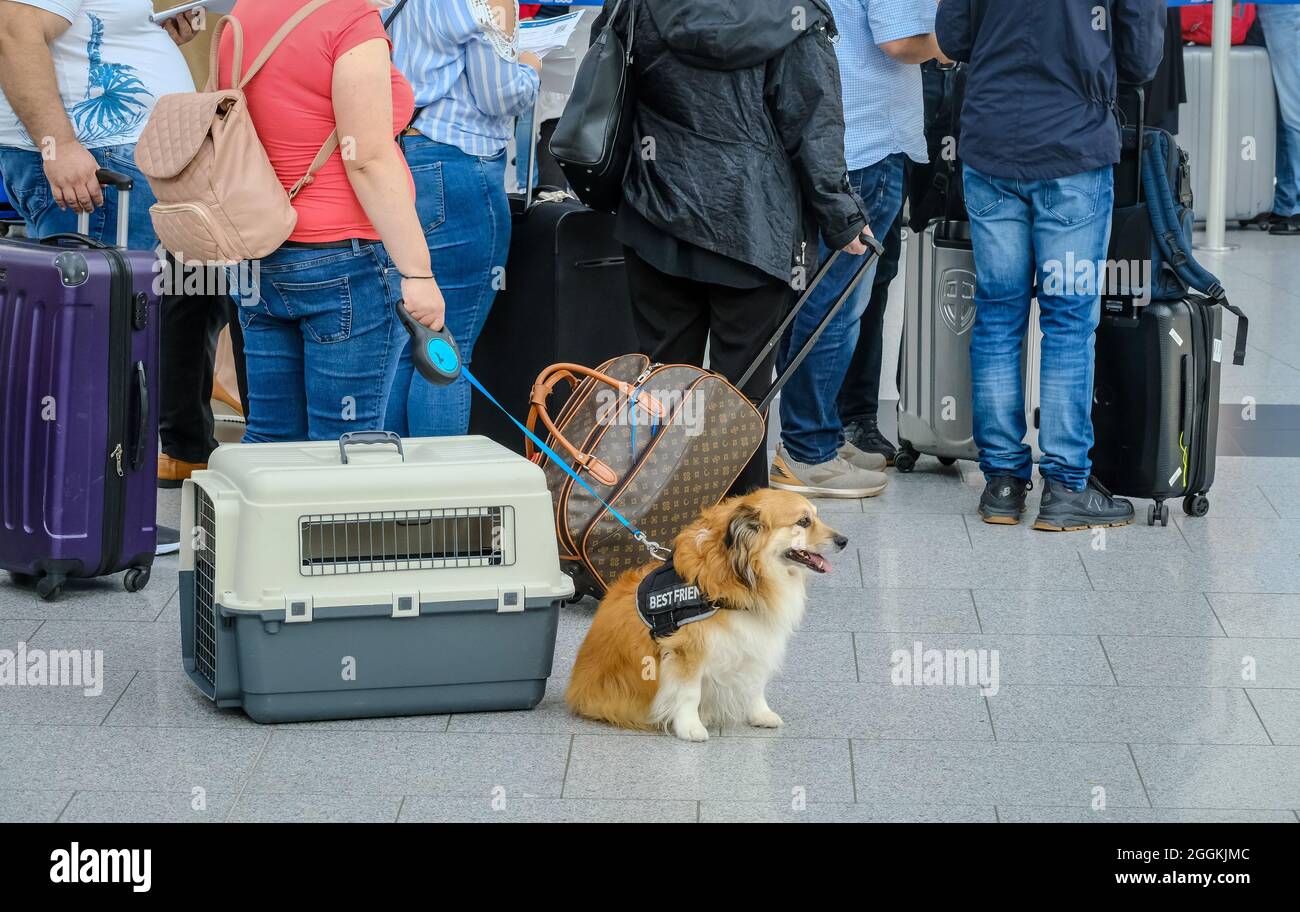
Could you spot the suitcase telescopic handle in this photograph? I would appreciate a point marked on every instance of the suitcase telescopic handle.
(366, 438)
(875, 250)
(123, 184)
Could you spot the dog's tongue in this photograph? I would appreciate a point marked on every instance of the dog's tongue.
(820, 563)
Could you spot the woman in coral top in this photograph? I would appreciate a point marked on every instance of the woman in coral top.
(322, 337)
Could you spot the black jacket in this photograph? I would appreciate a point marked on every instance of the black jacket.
(1041, 97)
(740, 129)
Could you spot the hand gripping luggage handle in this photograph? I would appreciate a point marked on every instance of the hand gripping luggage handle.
(875, 251)
(118, 181)
(366, 438)
(561, 373)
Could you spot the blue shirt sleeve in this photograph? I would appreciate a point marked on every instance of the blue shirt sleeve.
(500, 84)
(892, 20)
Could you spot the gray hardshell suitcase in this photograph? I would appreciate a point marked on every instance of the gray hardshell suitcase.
(934, 388)
(328, 581)
(1252, 129)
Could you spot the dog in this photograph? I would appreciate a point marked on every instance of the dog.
(750, 558)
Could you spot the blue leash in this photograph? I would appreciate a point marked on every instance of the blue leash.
(438, 360)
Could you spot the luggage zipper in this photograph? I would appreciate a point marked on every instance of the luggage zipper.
(119, 367)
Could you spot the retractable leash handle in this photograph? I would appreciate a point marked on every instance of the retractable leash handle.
(434, 352)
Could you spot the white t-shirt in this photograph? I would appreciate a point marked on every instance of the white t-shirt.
(112, 64)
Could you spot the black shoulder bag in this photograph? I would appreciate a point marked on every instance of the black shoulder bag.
(593, 140)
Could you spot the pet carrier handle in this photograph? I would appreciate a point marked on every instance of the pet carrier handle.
(365, 438)
(434, 352)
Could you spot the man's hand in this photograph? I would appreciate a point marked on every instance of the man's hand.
(855, 246)
(184, 27)
(71, 173)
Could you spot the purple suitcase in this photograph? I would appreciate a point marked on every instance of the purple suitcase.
(78, 407)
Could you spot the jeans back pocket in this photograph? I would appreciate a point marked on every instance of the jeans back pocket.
(324, 308)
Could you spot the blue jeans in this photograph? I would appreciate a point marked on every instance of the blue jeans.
(1282, 31)
(321, 341)
(463, 206)
(811, 428)
(29, 193)
(1021, 228)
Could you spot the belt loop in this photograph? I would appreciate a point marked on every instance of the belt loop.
(356, 246)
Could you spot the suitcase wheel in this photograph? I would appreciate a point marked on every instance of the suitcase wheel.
(905, 459)
(947, 461)
(136, 579)
(1196, 505)
(51, 586)
(1158, 511)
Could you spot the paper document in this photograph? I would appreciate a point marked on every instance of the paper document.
(541, 36)
(214, 8)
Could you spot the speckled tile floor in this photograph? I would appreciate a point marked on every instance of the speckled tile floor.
(1152, 675)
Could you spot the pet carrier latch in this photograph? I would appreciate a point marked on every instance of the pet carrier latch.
(297, 609)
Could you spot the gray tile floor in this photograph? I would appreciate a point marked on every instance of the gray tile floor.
(1148, 675)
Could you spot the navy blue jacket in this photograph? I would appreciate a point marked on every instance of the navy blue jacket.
(1041, 96)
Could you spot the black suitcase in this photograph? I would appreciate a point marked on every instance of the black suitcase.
(1155, 411)
(565, 299)
(1156, 401)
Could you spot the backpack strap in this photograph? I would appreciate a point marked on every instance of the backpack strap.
(239, 78)
(1173, 244)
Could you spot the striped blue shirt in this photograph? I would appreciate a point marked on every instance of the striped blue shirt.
(884, 109)
(465, 73)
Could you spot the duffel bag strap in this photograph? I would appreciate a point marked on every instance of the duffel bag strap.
(657, 551)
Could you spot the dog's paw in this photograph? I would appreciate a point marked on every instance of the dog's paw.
(766, 719)
(691, 731)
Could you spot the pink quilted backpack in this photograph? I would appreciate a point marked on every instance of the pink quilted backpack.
(219, 199)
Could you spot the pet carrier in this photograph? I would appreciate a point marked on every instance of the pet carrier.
(324, 581)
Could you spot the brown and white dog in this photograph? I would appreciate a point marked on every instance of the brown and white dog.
(750, 556)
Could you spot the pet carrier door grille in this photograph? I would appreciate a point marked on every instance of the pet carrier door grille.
(205, 575)
(334, 543)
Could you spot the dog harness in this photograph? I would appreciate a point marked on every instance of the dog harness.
(665, 602)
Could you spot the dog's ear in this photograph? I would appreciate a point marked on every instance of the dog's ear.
(744, 531)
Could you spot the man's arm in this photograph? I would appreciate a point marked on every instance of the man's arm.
(904, 31)
(29, 82)
(1139, 39)
(916, 49)
(955, 30)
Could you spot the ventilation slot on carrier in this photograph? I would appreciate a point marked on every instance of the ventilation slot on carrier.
(205, 575)
(334, 543)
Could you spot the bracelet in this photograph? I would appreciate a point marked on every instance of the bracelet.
(427, 278)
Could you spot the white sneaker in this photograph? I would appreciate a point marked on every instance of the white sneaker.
(835, 478)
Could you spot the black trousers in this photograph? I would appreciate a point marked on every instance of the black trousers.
(190, 326)
(860, 393)
(676, 319)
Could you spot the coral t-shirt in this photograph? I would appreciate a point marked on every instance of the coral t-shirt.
(291, 103)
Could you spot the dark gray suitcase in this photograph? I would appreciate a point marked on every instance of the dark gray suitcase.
(1156, 401)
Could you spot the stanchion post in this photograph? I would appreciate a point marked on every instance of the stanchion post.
(1216, 213)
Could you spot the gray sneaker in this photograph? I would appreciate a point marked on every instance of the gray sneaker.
(836, 478)
(861, 459)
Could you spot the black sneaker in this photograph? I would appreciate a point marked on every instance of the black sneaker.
(1263, 222)
(1285, 226)
(1064, 510)
(1003, 499)
(864, 433)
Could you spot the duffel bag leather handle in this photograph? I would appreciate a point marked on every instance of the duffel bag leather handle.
(569, 373)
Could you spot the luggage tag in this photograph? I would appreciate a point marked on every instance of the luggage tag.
(434, 352)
